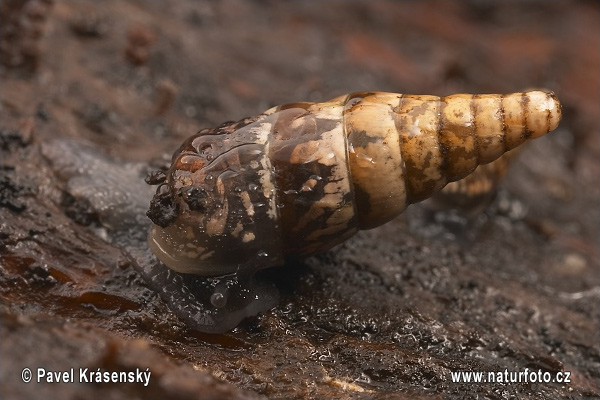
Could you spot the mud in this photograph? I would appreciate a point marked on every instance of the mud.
(389, 314)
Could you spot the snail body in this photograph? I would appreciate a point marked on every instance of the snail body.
(303, 177)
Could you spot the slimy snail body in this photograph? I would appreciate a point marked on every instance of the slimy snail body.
(303, 177)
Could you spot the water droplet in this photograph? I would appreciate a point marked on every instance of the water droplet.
(188, 159)
(209, 178)
(218, 300)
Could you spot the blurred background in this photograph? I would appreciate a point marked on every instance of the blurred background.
(135, 78)
(227, 61)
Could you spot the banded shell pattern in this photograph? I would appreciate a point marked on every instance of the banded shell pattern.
(303, 177)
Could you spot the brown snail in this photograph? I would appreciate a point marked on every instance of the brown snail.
(303, 177)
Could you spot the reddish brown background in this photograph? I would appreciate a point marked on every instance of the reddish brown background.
(390, 313)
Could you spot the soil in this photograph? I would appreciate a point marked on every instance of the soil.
(392, 312)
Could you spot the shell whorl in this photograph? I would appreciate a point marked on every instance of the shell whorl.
(303, 177)
(404, 148)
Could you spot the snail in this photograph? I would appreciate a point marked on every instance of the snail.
(302, 178)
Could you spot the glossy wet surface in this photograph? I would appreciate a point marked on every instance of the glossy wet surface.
(390, 313)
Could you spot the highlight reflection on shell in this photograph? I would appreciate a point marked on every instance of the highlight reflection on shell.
(303, 177)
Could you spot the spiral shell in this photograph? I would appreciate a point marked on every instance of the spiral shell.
(303, 177)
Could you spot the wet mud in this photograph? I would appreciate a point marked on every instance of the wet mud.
(390, 313)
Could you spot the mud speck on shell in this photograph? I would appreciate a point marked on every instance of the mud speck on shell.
(391, 313)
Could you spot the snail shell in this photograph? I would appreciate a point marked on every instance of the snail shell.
(303, 177)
